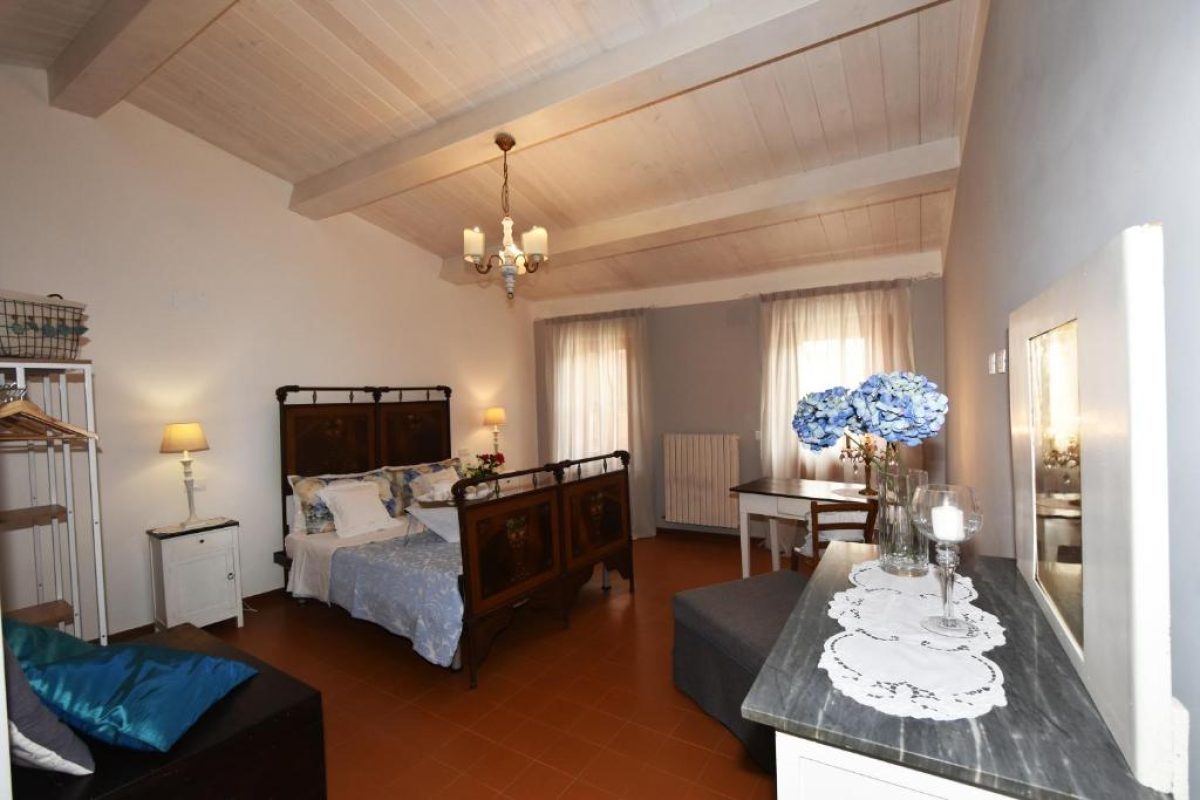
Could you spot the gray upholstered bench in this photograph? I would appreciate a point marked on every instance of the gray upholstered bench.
(723, 634)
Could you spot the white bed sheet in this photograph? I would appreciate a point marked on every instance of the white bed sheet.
(312, 556)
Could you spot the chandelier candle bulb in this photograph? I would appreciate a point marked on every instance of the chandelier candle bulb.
(473, 244)
(534, 242)
(947, 523)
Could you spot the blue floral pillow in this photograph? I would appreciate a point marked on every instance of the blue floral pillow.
(316, 515)
(402, 478)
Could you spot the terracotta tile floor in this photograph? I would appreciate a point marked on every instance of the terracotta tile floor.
(586, 712)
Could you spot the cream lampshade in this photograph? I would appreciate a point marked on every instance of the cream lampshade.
(495, 417)
(183, 437)
(186, 438)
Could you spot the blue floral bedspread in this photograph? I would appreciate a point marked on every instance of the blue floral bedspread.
(409, 585)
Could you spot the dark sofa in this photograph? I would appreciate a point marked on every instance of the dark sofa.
(264, 740)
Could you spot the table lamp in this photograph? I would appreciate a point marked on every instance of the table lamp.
(186, 438)
(495, 417)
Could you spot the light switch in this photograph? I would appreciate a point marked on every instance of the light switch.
(1002, 361)
(991, 363)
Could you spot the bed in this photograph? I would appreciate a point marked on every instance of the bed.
(536, 539)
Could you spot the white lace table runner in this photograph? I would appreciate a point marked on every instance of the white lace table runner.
(886, 660)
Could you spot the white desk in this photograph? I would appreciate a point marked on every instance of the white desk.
(784, 498)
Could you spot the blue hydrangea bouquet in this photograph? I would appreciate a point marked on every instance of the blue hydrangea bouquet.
(901, 408)
(898, 407)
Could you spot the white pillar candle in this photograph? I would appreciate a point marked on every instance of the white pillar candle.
(947, 523)
(535, 242)
(473, 244)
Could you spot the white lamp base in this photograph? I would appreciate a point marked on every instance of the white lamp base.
(189, 483)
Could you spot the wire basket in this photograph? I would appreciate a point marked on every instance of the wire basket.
(40, 327)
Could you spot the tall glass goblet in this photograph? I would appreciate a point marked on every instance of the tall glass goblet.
(948, 516)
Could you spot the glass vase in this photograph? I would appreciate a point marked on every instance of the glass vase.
(902, 548)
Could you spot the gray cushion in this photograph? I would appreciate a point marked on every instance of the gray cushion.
(36, 737)
(742, 618)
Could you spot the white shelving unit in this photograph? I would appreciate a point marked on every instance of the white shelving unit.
(55, 512)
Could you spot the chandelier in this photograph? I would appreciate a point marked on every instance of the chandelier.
(511, 260)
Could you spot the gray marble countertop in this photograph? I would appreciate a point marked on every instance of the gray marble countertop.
(1048, 742)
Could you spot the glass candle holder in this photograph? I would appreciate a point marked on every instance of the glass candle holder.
(947, 515)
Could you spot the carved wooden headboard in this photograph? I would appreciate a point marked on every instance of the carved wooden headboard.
(359, 428)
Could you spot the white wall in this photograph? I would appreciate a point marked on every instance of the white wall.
(204, 293)
(1086, 121)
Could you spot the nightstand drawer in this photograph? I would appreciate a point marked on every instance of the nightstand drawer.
(196, 545)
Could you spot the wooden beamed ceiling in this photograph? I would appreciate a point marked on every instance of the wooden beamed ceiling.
(660, 141)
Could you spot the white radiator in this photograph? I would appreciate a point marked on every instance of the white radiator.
(698, 470)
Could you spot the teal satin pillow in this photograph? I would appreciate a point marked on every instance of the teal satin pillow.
(35, 645)
(133, 696)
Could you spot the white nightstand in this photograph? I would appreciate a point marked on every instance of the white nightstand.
(196, 573)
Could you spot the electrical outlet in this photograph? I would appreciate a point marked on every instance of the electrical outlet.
(991, 363)
(464, 452)
(1002, 361)
(199, 485)
(758, 436)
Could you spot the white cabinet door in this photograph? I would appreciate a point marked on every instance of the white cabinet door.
(203, 588)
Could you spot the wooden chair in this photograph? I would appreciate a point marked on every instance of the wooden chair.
(816, 527)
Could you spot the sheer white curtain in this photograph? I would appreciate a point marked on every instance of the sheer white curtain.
(813, 340)
(596, 397)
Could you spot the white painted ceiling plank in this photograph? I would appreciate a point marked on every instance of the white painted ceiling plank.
(727, 39)
(939, 64)
(121, 46)
(862, 61)
(878, 178)
(899, 47)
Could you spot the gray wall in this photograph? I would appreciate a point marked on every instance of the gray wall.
(1086, 121)
(706, 372)
(705, 377)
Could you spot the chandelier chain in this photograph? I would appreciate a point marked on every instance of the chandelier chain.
(504, 186)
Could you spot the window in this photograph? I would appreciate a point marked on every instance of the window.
(591, 396)
(594, 397)
(812, 341)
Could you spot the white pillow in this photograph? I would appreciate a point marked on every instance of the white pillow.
(297, 523)
(356, 508)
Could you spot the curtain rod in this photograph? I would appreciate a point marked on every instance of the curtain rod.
(845, 288)
(624, 312)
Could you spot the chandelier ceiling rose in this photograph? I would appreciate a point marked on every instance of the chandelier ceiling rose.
(511, 260)
(505, 141)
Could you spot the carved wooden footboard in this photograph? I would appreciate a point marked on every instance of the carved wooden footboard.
(539, 543)
(596, 519)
